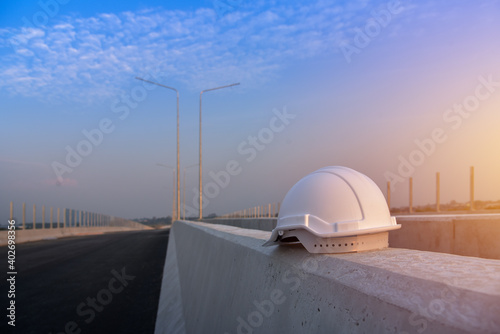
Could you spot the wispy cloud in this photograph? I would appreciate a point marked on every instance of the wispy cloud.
(84, 59)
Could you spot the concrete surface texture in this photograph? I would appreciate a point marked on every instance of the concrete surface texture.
(219, 279)
(465, 234)
(469, 235)
(54, 233)
(263, 224)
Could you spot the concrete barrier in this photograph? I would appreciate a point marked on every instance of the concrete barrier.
(219, 279)
(54, 233)
(263, 224)
(465, 234)
(469, 235)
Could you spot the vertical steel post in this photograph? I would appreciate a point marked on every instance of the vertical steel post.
(438, 192)
(389, 195)
(472, 208)
(411, 195)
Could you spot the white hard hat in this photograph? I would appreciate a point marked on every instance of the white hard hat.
(334, 210)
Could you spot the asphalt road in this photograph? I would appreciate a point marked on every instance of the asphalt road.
(107, 283)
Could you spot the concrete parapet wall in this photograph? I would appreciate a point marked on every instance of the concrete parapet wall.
(469, 235)
(263, 224)
(47, 233)
(219, 279)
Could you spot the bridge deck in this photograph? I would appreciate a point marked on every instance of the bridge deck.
(100, 284)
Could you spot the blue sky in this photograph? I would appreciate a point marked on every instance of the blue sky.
(366, 84)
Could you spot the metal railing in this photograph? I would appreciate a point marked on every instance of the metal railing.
(438, 206)
(54, 218)
(270, 210)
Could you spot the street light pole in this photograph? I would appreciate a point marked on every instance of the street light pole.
(200, 170)
(174, 214)
(178, 155)
(184, 192)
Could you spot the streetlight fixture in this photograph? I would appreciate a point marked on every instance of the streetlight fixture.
(200, 171)
(178, 159)
(174, 214)
(184, 192)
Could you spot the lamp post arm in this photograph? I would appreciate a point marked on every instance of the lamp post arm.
(158, 84)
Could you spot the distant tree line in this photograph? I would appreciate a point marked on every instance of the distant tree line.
(452, 206)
